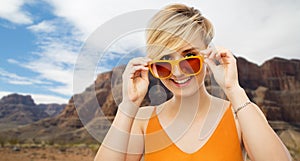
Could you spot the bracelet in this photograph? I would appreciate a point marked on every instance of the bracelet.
(242, 106)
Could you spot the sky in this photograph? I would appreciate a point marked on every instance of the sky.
(40, 40)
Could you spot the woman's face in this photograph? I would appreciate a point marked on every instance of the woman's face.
(179, 83)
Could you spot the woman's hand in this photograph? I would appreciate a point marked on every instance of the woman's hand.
(135, 80)
(223, 65)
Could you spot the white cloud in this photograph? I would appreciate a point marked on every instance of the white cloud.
(89, 14)
(39, 98)
(13, 78)
(11, 10)
(12, 61)
(55, 56)
(257, 30)
(54, 63)
(42, 98)
(44, 26)
(128, 42)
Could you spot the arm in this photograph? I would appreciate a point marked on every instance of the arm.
(136, 143)
(261, 142)
(115, 143)
(135, 85)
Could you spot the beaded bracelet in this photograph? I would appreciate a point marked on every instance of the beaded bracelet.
(241, 107)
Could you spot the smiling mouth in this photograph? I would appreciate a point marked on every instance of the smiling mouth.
(182, 81)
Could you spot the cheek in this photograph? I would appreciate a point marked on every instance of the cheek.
(164, 82)
(201, 76)
(198, 81)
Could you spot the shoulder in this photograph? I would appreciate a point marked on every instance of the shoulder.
(145, 112)
(225, 104)
(143, 115)
(228, 107)
(219, 102)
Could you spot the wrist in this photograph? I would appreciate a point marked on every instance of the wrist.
(233, 90)
(237, 96)
(128, 108)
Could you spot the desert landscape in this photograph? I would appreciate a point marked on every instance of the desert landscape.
(49, 153)
(31, 132)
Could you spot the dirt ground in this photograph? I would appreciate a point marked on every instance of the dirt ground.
(46, 154)
(50, 154)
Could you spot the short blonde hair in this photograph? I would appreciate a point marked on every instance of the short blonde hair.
(174, 26)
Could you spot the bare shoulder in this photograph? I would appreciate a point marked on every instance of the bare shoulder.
(144, 112)
(219, 102)
(226, 105)
(143, 115)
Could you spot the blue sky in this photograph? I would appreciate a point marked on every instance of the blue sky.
(41, 39)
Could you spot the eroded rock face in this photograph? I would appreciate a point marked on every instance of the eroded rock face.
(21, 110)
(16, 99)
(277, 93)
(281, 74)
(274, 86)
(250, 74)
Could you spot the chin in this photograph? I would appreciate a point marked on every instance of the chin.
(184, 87)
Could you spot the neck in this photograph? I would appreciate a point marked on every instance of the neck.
(196, 104)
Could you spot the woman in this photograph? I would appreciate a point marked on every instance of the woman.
(192, 125)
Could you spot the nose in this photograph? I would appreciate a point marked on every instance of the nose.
(176, 71)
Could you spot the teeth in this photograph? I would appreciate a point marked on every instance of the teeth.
(182, 81)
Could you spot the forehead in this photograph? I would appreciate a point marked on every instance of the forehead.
(183, 47)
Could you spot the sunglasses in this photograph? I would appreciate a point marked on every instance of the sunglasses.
(162, 69)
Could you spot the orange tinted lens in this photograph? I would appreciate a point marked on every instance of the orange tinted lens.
(190, 65)
(163, 69)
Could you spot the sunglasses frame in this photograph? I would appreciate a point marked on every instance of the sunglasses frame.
(176, 62)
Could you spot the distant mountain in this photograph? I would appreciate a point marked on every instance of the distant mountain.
(274, 86)
(17, 109)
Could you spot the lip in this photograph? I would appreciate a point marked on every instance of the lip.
(181, 82)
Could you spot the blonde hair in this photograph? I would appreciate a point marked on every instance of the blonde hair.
(174, 26)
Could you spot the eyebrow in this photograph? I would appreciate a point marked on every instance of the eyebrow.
(184, 51)
(188, 50)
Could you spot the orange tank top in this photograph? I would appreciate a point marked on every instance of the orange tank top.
(223, 144)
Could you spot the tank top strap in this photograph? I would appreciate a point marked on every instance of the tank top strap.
(155, 134)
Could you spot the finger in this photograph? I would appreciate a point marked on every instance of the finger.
(206, 52)
(225, 52)
(136, 71)
(220, 56)
(226, 56)
(213, 54)
(137, 68)
(211, 64)
(144, 74)
(140, 61)
(136, 74)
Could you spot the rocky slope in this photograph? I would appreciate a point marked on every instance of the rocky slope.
(21, 110)
(274, 86)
